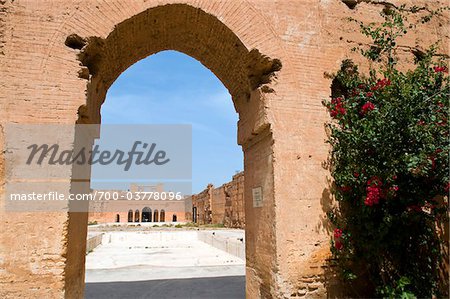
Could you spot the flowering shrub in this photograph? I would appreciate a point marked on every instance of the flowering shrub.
(389, 161)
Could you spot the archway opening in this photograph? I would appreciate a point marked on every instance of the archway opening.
(162, 216)
(202, 36)
(146, 214)
(205, 103)
(136, 216)
(155, 216)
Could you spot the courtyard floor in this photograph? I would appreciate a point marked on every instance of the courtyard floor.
(163, 264)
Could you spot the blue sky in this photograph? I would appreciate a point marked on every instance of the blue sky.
(173, 88)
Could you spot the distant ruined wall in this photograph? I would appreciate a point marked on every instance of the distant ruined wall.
(222, 205)
(234, 214)
(111, 217)
(218, 200)
(109, 211)
(202, 204)
(101, 212)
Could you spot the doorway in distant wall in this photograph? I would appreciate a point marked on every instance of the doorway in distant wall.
(155, 216)
(136, 216)
(194, 214)
(146, 214)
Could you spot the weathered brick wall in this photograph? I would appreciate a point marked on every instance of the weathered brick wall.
(234, 215)
(280, 116)
(221, 205)
(202, 201)
(218, 198)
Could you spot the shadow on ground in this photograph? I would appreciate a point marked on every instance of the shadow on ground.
(228, 287)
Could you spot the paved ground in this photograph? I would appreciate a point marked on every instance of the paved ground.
(163, 264)
(134, 256)
(229, 287)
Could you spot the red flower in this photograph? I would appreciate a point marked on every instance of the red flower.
(337, 109)
(394, 188)
(361, 86)
(336, 100)
(338, 245)
(337, 236)
(373, 196)
(381, 84)
(356, 174)
(369, 106)
(385, 82)
(374, 191)
(337, 233)
(440, 69)
(369, 94)
(394, 177)
(421, 123)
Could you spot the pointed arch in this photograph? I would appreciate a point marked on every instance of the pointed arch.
(137, 216)
(155, 216)
(146, 214)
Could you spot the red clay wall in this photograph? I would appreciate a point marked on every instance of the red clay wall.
(222, 205)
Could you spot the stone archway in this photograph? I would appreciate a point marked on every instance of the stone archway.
(246, 73)
(280, 127)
